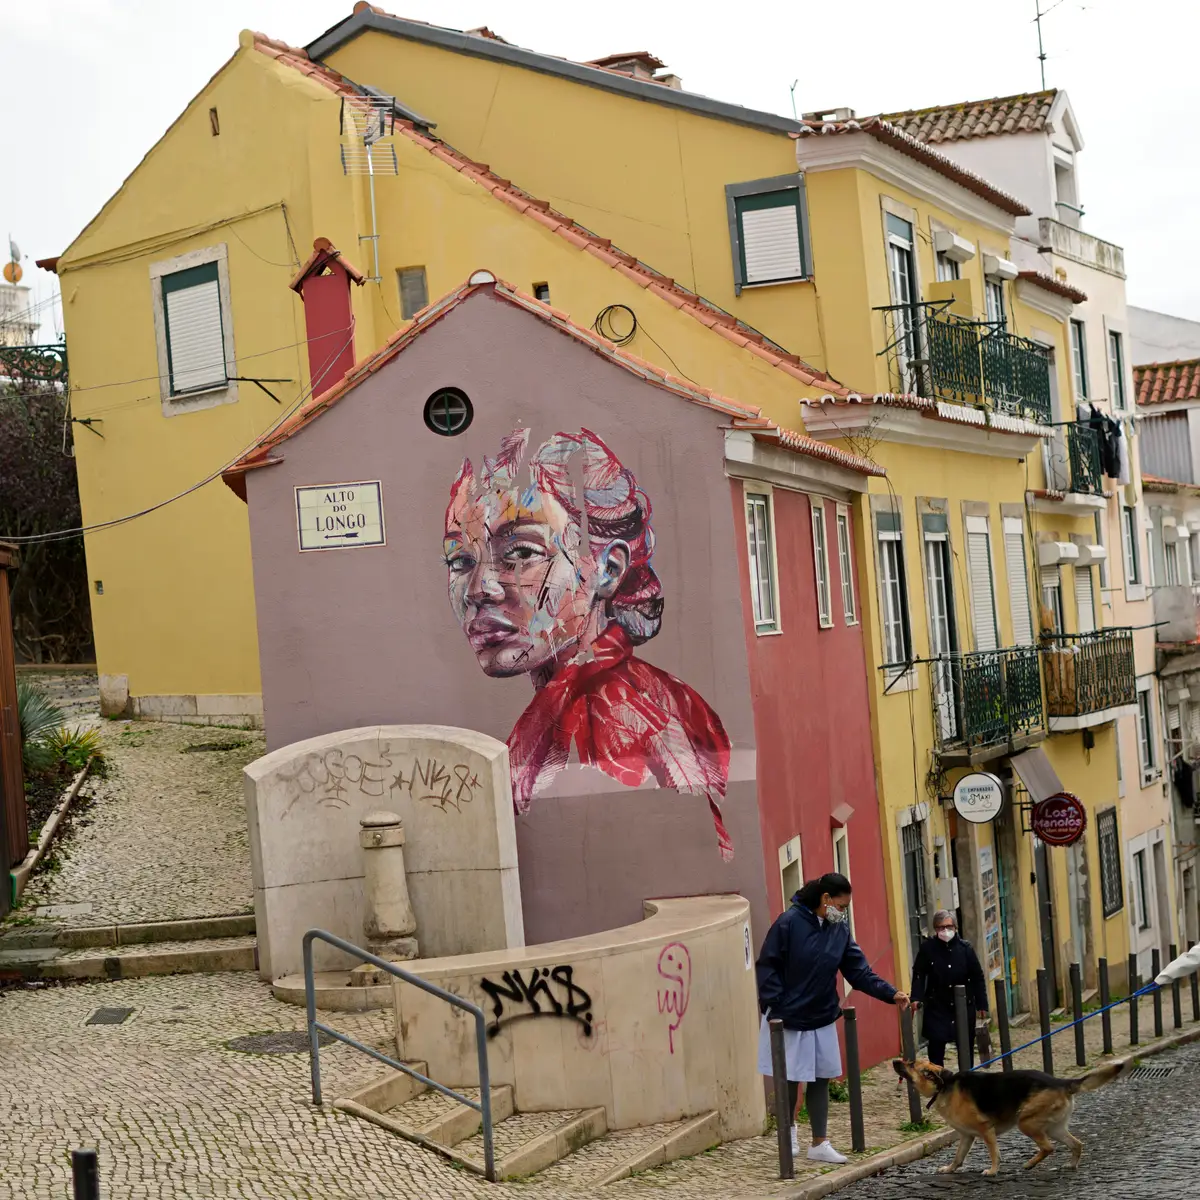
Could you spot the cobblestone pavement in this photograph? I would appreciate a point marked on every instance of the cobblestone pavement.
(165, 835)
(1141, 1139)
(76, 692)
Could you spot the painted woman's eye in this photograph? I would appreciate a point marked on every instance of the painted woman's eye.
(460, 564)
(523, 552)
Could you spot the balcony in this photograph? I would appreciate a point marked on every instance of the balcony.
(987, 703)
(935, 353)
(1062, 238)
(1090, 677)
(1073, 467)
(1177, 624)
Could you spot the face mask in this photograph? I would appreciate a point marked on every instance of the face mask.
(834, 914)
(947, 935)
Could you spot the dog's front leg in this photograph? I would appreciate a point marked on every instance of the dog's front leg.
(965, 1142)
(989, 1139)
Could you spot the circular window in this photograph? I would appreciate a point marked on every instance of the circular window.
(448, 411)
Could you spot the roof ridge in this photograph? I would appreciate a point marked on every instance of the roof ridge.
(724, 324)
(742, 415)
(961, 104)
(1175, 362)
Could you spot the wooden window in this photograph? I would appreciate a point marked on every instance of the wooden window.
(1079, 359)
(983, 594)
(897, 635)
(1116, 368)
(846, 566)
(1017, 569)
(770, 238)
(195, 329)
(414, 291)
(1111, 889)
(821, 564)
(761, 544)
(1085, 602)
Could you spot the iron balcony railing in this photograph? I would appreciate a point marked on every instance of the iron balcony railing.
(936, 353)
(1088, 672)
(986, 698)
(1073, 460)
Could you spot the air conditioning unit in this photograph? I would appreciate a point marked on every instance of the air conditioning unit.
(952, 246)
(1050, 554)
(1090, 554)
(995, 267)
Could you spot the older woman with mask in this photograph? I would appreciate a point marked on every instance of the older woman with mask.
(943, 962)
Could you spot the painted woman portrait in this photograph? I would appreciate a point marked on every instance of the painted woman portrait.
(551, 576)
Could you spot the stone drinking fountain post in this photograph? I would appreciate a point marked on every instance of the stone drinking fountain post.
(389, 924)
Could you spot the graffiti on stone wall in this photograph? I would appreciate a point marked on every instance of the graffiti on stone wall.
(675, 967)
(539, 992)
(330, 777)
(553, 578)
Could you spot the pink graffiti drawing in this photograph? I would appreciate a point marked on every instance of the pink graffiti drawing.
(675, 966)
(553, 578)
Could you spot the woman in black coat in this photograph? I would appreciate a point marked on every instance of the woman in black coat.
(943, 961)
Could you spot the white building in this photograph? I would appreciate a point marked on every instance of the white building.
(1161, 338)
(1030, 146)
(18, 323)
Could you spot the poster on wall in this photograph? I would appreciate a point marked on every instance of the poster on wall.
(340, 516)
(993, 950)
(550, 572)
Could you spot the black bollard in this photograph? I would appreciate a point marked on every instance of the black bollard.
(1176, 997)
(1105, 1015)
(1195, 996)
(85, 1175)
(1077, 1014)
(1155, 967)
(962, 1028)
(1043, 991)
(1133, 1004)
(908, 1045)
(858, 1137)
(1002, 1025)
(783, 1113)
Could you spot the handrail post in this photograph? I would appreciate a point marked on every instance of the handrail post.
(310, 1006)
(962, 1028)
(1077, 1013)
(1155, 967)
(1105, 1015)
(858, 1138)
(1006, 1062)
(1133, 1004)
(1043, 991)
(485, 1099)
(908, 1046)
(783, 1116)
(85, 1175)
(1176, 998)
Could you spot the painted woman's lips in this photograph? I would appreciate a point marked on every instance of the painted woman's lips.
(490, 631)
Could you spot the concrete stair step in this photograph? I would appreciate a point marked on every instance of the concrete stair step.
(527, 1143)
(80, 937)
(189, 956)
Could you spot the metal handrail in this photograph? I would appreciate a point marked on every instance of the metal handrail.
(484, 1104)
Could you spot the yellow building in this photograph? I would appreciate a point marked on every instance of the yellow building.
(838, 274)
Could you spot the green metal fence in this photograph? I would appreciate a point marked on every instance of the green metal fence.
(1083, 456)
(986, 698)
(1089, 672)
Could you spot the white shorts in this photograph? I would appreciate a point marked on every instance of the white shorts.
(810, 1053)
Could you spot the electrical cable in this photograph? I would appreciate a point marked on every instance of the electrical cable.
(65, 534)
(603, 325)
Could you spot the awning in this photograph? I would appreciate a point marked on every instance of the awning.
(1036, 773)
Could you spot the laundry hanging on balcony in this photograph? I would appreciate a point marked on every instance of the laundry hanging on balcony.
(1111, 440)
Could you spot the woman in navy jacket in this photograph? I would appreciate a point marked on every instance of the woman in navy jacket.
(943, 961)
(797, 983)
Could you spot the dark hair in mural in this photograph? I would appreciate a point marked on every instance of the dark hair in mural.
(554, 579)
(832, 884)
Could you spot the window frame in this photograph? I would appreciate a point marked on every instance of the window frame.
(763, 626)
(946, 269)
(1116, 370)
(841, 837)
(1079, 371)
(846, 565)
(1139, 887)
(735, 192)
(994, 303)
(1129, 544)
(1112, 890)
(821, 576)
(176, 403)
(400, 273)
(1146, 729)
(894, 538)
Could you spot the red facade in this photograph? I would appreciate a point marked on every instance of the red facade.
(813, 732)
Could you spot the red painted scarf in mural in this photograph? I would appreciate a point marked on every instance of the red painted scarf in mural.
(629, 719)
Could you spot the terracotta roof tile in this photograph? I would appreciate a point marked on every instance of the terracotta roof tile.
(1051, 283)
(1167, 383)
(324, 252)
(892, 135)
(262, 453)
(694, 305)
(940, 410)
(1152, 483)
(1026, 113)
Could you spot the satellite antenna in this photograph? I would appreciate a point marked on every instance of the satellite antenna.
(12, 269)
(365, 123)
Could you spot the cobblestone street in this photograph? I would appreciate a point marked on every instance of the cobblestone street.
(1140, 1136)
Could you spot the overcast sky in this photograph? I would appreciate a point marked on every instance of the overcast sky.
(89, 85)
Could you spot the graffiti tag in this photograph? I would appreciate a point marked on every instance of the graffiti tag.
(535, 997)
(438, 783)
(675, 966)
(328, 777)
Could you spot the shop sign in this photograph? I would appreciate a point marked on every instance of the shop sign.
(978, 797)
(1059, 820)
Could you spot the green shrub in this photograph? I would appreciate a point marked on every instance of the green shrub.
(75, 746)
(36, 712)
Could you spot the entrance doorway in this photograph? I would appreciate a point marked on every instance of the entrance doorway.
(1191, 917)
(1005, 857)
(912, 844)
(1045, 901)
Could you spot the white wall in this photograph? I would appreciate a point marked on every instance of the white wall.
(1160, 337)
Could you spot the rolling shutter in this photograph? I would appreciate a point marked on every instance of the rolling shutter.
(195, 338)
(1018, 581)
(769, 232)
(1085, 609)
(983, 601)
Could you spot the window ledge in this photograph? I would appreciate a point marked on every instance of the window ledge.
(183, 397)
(906, 682)
(767, 632)
(189, 402)
(745, 287)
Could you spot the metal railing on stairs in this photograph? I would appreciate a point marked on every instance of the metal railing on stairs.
(483, 1106)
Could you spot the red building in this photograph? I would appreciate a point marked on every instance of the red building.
(503, 522)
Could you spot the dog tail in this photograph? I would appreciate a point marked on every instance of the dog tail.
(1101, 1076)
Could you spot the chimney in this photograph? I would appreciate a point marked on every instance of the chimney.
(829, 114)
(671, 81)
(641, 64)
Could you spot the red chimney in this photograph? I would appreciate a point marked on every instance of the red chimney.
(324, 285)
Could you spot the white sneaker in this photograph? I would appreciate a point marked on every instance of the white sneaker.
(795, 1142)
(824, 1152)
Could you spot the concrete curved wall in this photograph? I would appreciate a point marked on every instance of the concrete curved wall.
(654, 1021)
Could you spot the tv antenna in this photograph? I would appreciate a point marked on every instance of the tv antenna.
(364, 124)
(1037, 20)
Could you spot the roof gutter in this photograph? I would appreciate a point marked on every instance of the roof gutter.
(478, 47)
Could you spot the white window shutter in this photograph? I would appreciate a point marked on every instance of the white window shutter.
(1018, 581)
(771, 244)
(1085, 610)
(197, 347)
(983, 602)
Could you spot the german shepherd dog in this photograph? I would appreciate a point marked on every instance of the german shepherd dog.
(985, 1104)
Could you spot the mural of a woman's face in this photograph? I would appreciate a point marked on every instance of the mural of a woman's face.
(522, 583)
